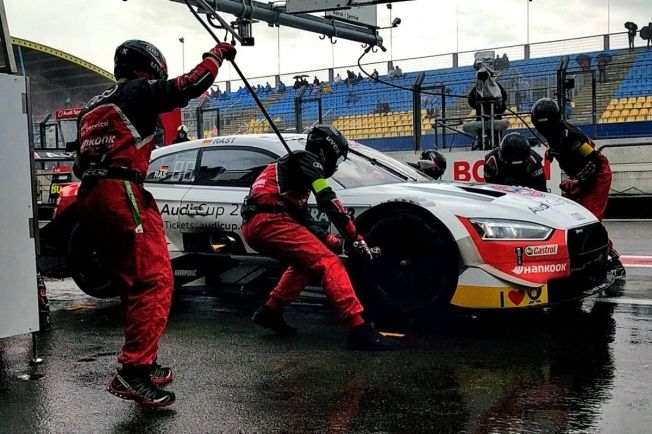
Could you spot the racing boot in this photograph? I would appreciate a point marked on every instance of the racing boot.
(273, 319)
(365, 337)
(160, 375)
(615, 268)
(134, 383)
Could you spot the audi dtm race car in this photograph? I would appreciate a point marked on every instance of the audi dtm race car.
(475, 246)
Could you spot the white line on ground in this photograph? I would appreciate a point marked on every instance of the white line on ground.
(626, 300)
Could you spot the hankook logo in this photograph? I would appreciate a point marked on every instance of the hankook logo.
(534, 269)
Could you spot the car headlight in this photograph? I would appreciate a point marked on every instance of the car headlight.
(499, 229)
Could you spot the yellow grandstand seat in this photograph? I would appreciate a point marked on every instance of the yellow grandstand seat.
(629, 105)
(615, 113)
(622, 101)
(624, 112)
(638, 105)
(620, 119)
(606, 114)
(649, 117)
(640, 99)
(633, 112)
(640, 118)
(630, 119)
(631, 99)
(614, 101)
(643, 111)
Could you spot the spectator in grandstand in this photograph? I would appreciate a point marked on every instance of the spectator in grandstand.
(515, 163)
(281, 88)
(337, 80)
(314, 89)
(588, 170)
(374, 75)
(398, 72)
(631, 34)
(297, 83)
(316, 81)
(497, 63)
(584, 61)
(391, 72)
(350, 77)
(304, 82)
(326, 87)
(504, 62)
(268, 87)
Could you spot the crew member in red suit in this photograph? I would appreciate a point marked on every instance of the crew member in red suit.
(277, 223)
(116, 138)
(588, 170)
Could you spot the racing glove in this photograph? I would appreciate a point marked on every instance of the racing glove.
(362, 249)
(549, 155)
(571, 187)
(222, 51)
(334, 243)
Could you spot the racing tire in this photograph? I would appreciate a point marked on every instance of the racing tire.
(86, 267)
(416, 271)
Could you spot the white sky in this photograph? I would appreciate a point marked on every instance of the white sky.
(91, 29)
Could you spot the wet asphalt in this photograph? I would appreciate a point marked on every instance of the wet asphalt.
(574, 370)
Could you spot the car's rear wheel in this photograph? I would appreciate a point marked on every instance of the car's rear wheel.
(85, 264)
(416, 271)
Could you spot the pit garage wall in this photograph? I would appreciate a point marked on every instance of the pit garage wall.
(18, 291)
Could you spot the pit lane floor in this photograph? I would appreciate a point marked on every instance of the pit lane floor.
(579, 371)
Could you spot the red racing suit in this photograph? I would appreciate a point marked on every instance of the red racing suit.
(587, 168)
(277, 223)
(497, 171)
(116, 136)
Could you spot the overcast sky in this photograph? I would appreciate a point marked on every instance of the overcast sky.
(91, 29)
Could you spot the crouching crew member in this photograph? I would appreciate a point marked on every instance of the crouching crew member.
(277, 223)
(588, 170)
(515, 163)
(116, 136)
(431, 163)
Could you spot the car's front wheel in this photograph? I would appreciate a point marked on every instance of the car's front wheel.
(85, 264)
(416, 270)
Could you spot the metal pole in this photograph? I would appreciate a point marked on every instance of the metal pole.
(391, 33)
(594, 104)
(278, 49)
(608, 17)
(528, 21)
(457, 26)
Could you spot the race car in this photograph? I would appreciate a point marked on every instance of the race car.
(477, 246)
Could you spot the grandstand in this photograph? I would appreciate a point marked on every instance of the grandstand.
(384, 116)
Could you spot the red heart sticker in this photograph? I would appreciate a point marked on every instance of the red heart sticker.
(516, 297)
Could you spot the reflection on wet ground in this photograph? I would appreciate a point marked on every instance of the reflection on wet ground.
(573, 370)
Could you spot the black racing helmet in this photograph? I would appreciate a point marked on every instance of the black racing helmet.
(134, 56)
(514, 149)
(546, 116)
(329, 145)
(439, 163)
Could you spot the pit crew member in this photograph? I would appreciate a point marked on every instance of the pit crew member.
(515, 163)
(277, 223)
(116, 137)
(588, 170)
(431, 163)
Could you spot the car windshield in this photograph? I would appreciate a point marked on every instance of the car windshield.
(364, 169)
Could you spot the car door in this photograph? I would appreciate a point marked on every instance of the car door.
(169, 178)
(212, 206)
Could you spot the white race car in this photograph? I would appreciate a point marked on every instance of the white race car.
(474, 246)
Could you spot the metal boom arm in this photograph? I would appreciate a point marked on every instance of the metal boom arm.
(264, 12)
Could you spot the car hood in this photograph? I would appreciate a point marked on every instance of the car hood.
(478, 200)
